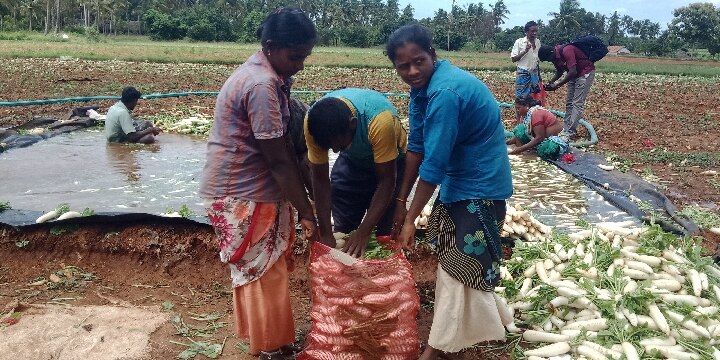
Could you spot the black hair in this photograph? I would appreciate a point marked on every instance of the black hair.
(546, 53)
(526, 100)
(327, 119)
(130, 94)
(413, 33)
(287, 27)
(529, 24)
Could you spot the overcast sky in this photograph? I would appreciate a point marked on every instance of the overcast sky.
(521, 11)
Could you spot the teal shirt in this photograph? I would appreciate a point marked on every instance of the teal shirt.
(368, 105)
(455, 122)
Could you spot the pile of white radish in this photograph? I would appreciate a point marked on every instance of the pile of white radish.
(519, 224)
(199, 125)
(614, 292)
(422, 220)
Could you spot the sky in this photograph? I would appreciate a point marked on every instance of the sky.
(521, 11)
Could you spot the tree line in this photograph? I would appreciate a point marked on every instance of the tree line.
(360, 23)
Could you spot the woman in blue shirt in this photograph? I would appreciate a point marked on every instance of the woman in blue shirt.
(456, 142)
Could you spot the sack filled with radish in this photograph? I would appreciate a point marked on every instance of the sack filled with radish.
(361, 309)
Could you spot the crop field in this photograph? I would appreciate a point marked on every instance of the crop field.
(657, 118)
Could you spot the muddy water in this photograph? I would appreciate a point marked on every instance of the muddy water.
(81, 169)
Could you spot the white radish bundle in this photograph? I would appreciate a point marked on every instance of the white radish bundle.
(614, 291)
(361, 309)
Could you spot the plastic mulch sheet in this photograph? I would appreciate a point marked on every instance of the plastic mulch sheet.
(628, 192)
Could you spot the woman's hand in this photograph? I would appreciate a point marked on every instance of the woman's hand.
(398, 219)
(407, 235)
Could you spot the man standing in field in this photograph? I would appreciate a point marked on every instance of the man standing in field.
(363, 126)
(525, 56)
(120, 126)
(579, 73)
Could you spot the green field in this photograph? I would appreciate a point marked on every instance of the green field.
(140, 48)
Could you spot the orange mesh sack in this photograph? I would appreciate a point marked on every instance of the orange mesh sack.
(361, 309)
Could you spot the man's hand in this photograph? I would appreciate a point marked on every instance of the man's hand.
(407, 235)
(398, 219)
(529, 46)
(550, 87)
(156, 130)
(357, 243)
(328, 240)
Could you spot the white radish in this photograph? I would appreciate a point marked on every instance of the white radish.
(671, 285)
(688, 323)
(541, 273)
(603, 350)
(557, 322)
(590, 353)
(671, 353)
(704, 281)
(708, 311)
(544, 337)
(695, 281)
(647, 321)
(69, 215)
(674, 256)
(526, 285)
(511, 327)
(641, 266)
(632, 318)
(636, 274)
(657, 341)
(630, 287)
(630, 351)
(47, 216)
(555, 349)
(685, 299)
(590, 325)
(576, 333)
(530, 271)
(658, 318)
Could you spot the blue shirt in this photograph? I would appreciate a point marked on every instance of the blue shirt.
(455, 122)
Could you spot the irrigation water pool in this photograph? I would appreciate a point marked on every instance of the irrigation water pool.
(82, 170)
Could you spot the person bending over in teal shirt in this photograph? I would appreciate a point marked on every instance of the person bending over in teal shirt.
(363, 126)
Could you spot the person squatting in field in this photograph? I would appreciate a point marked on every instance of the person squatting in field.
(538, 130)
(251, 182)
(363, 126)
(121, 127)
(579, 73)
(456, 141)
(524, 54)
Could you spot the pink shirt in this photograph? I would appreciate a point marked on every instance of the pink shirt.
(542, 117)
(570, 57)
(252, 105)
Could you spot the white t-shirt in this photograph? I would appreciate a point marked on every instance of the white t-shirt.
(530, 60)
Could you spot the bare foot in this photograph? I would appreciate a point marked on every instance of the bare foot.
(430, 353)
